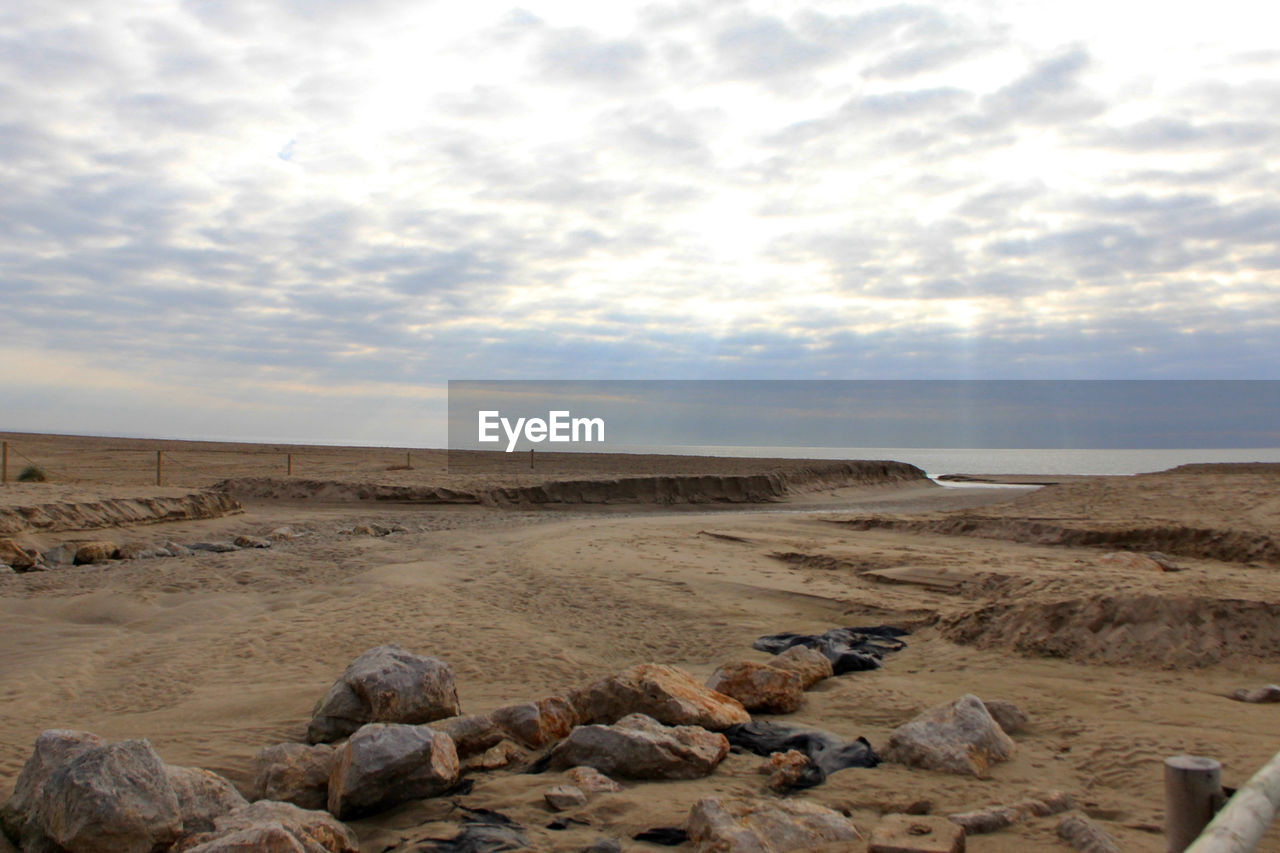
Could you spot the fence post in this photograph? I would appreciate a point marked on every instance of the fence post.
(408, 459)
(1192, 793)
(1244, 819)
(530, 458)
(288, 465)
(4, 464)
(159, 466)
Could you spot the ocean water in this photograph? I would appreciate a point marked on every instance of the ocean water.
(939, 461)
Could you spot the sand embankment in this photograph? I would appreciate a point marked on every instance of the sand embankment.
(762, 487)
(56, 516)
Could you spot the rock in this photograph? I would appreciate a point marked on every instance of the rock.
(1007, 715)
(536, 724)
(387, 763)
(1130, 561)
(246, 541)
(497, 757)
(282, 534)
(591, 780)
(17, 558)
(53, 749)
(810, 664)
(1085, 835)
(666, 694)
(134, 551)
(759, 687)
(202, 797)
(639, 747)
(214, 547)
(1267, 693)
(293, 773)
(270, 838)
(88, 553)
(603, 845)
(109, 798)
(59, 555)
(472, 734)
(959, 737)
(760, 826)
(564, 797)
(315, 830)
(915, 834)
(785, 769)
(178, 550)
(1165, 562)
(998, 817)
(386, 684)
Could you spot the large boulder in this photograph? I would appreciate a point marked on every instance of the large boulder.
(203, 797)
(267, 827)
(666, 694)
(472, 734)
(810, 664)
(385, 685)
(639, 747)
(759, 687)
(765, 826)
(89, 553)
(387, 763)
(536, 724)
(293, 773)
(110, 798)
(959, 737)
(53, 749)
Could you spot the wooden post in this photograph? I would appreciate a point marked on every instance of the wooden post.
(408, 459)
(1192, 793)
(530, 458)
(1243, 821)
(4, 464)
(159, 466)
(288, 464)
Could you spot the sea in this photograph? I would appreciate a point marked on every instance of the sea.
(939, 461)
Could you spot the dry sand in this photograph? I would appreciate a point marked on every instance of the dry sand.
(216, 655)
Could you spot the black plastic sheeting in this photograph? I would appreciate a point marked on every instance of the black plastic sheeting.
(848, 649)
(827, 753)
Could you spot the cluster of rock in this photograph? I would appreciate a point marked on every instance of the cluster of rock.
(93, 553)
(391, 729)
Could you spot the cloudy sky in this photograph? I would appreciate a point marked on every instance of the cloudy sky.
(296, 220)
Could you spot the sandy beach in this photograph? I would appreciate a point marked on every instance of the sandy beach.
(1007, 593)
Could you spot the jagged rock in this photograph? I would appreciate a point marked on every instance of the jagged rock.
(88, 553)
(639, 747)
(246, 541)
(759, 687)
(536, 724)
(497, 757)
(316, 831)
(18, 558)
(270, 838)
(387, 763)
(1267, 693)
(472, 733)
(959, 737)
(213, 547)
(293, 773)
(202, 797)
(54, 748)
(591, 780)
(786, 769)
(810, 664)
(109, 798)
(666, 694)
(1007, 715)
(564, 797)
(760, 826)
(386, 684)
(899, 833)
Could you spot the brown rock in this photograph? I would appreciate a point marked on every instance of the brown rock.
(759, 687)
(810, 664)
(203, 797)
(666, 694)
(12, 555)
(916, 834)
(95, 552)
(316, 830)
(1007, 715)
(472, 733)
(388, 763)
(386, 684)
(591, 780)
(959, 737)
(536, 724)
(270, 838)
(564, 797)
(245, 541)
(1085, 835)
(497, 757)
(639, 747)
(293, 773)
(998, 817)
(1264, 694)
(785, 769)
(764, 826)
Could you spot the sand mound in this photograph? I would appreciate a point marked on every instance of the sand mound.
(1171, 632)
(113, 512)
(746, 488)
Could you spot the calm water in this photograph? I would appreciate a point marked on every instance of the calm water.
(936, 462)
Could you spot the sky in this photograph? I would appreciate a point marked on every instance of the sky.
(296, 220)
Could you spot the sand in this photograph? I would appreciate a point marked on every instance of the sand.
(213, 656)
